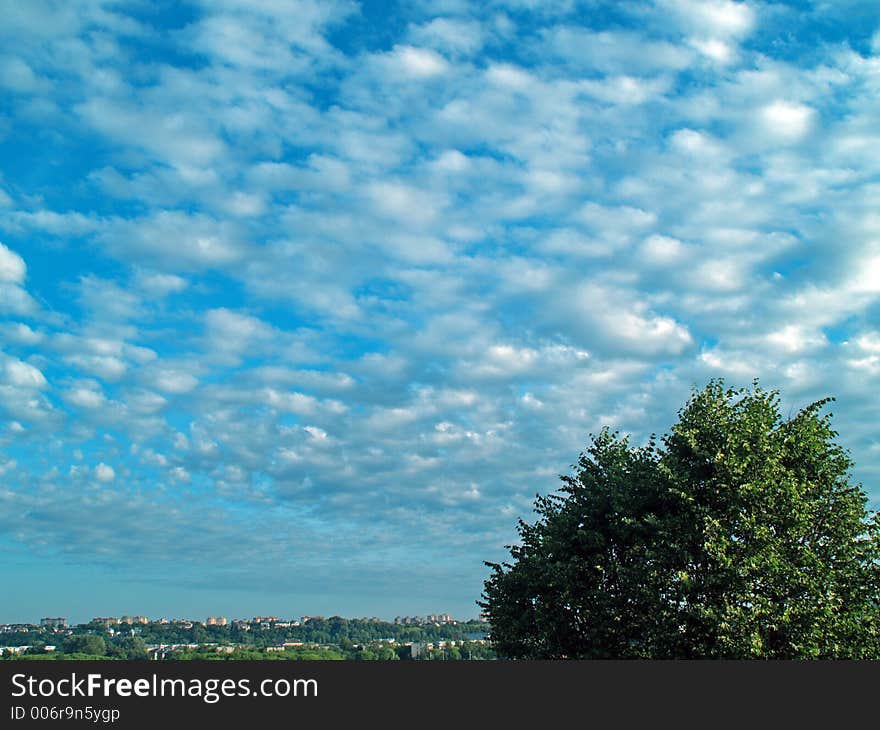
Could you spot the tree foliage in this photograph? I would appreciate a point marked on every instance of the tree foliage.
(84, 644)
(128, 647)
(739, 535)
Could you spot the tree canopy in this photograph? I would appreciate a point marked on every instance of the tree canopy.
(85, 644)
(737, 535)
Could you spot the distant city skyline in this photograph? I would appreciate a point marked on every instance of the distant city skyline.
(301, 303)
(129, 620)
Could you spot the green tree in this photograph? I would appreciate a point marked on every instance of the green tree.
(128, 647)
(386, 653)
(739, 536)
(84, 644)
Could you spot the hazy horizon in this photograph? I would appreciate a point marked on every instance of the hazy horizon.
(82, 619)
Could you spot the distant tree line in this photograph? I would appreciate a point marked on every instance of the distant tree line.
(328, 638)
(333, 630)
(87, 646)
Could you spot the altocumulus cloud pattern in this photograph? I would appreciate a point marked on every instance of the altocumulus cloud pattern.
(310, 298)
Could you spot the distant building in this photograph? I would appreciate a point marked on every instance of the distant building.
(264, 620)
(13, 649)
(106, 621)
(216, 621)
(54, 623)
(439, 618)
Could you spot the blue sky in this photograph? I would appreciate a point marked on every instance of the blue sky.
(302, 302)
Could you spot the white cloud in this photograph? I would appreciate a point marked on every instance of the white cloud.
(715, 49)
(12, 266)
(405, 203)
(508, 360)
(88, 397)
(179, 474)
(56, 224)
(613, 321)
(16, 75)
(509, 76)
(246, 204)
(419, 62)
(145, 401)
(229, 326)
(795, 339)
(23, 375)
(719, 274)
(17, 301)
(104, 473)
(160, 285)
(869, 342)
(714, 27)
(867, 277)
(863, 353)
(786, 120)
(177, 139)
(613, 51)
(108, 368)
(319, 434)
(625, 90)
(171, 380)
(662, 250)
(22, 333)
(175, 239)
(232, 335)
(452, 35)
(718, 18)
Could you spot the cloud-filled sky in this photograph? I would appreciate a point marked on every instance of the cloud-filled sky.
(303, 301)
